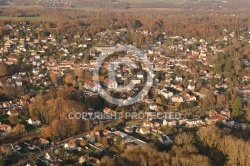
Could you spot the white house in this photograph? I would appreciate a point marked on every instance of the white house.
(182, 121)
(34, 122)
(178, 87)
(194, 122)
(143, 130)
(140, 76)
(43, 142)
(169, 122)
(192, 98)
(153, 106)
(90, 85)
(165, 140)
(128, 129)
(91, 138)
(191, 87)
(177, 98)
(19, 83)
(178, 78)
(110, 83)
(12, 112)
(136, 81)
(228, 123)
(166, 93)
(70, 145)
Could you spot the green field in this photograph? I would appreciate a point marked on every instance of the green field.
(26, 18)
(158, 1)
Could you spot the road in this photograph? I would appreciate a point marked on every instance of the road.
(43, 151)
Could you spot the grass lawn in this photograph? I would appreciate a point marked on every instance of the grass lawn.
(4, 119)
(91, 149)
(79, 153)
(30, 128)
(26, 18)
(132, 122)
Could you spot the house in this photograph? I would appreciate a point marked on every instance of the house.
(149, 101)
(111, 136)
(226, 113)
(192, 98)
(153, 107)
(19, 83)
(166, 94)
(105, 131)
(211, 119)
(91, 138)
(165, 140)
(182, 121)
(228, 123)
(70, 145)
(95, 132)
(172, 122)
(177, 99)
(136, 81)
(34, 121)
(5, 128)
(178, 87)
(147, 124)
(194, 122)
(89, 161)
(110, 83)
(6, 105)
(143, 130)
(128, 129)
(156, 124)
(178, 78)
(123, 135)
(47, 83)
(109, 111)
(169, 122)
(13, 112)
(43, 142)
(191, 87)
(92, 86)
(157, 130)
(50, 157)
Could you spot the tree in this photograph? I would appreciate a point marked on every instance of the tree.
(47, 132)
(69, 79)
(118, 140)
(26, 97)
(237, 108)
(184, 139)
(3, 69)
(2, 161)
(53, 78)
(18, 129)
(13, 119)
(83, 142)
(158, 101)
(32, 159)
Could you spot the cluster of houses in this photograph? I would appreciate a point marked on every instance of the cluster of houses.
(15, 107)
(171, 85)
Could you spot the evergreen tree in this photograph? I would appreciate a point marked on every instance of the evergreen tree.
(237, 108)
